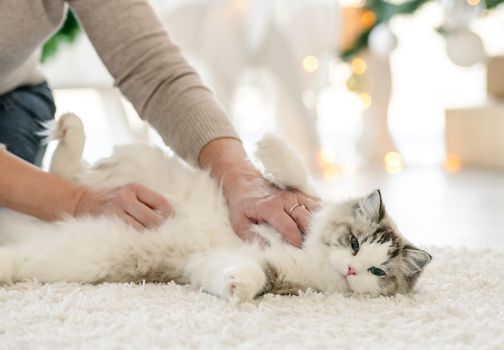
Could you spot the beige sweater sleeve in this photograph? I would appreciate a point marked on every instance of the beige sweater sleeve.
(151, 72)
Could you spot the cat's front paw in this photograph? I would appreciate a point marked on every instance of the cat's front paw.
(242, 284)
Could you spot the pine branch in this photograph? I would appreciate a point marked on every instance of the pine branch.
(67, 33)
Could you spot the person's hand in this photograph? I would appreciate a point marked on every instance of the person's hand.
(251, 198)
(133, 203)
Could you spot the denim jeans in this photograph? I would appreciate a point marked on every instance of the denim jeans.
(22, 112)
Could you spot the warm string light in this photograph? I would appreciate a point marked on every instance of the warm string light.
(359, 66)
(327, 157)
(330, 170)
(473, 2)
(453, 163)
(368, 18)
(354, 83)
(310, 64)
(365, 100)
(393, 162)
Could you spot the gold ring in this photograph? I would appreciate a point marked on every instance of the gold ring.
(295, 206)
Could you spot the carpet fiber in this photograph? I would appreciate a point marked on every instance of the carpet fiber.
(459, 304)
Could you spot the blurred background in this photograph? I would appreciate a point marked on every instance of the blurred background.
(402, 95)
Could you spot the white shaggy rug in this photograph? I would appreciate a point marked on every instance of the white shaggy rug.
(459, 304)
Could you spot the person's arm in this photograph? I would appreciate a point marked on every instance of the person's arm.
(151, 72)
(25, 188)
(166, 91)
(29, 190)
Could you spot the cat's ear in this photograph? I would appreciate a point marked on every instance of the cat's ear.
(372, 207)
(416, 259)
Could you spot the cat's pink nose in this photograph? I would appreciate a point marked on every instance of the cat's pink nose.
(351, 271)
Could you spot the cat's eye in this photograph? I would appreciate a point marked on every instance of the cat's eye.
(376, 271)
(354, 243)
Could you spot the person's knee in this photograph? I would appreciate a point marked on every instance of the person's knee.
(22, 114)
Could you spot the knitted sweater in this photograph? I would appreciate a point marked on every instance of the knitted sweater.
(147, 67)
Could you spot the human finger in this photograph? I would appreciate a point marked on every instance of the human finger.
(311, 203)
(243, 229)
(114, 209)
(251, 237)
(125, 200)
(301, 216)
(153, 200)
(131, 221)
(285, 225)
(143, 214)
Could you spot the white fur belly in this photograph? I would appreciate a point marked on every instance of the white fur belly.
(88, 249)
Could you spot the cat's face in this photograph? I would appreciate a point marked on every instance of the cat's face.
(357, 242)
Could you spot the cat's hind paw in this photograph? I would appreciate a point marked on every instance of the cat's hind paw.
(58, 129)
(67, 158)
(282, 165)
(242, 284)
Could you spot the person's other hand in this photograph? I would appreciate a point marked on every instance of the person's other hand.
(135, 204)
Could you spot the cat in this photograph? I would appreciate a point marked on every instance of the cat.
(351, 247)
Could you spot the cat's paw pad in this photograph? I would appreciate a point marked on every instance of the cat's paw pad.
(243, 284)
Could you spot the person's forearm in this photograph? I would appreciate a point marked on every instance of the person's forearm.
(27, 189)
(227, 160)
(152, 73)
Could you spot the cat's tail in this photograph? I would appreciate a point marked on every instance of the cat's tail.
(68, 130)
(282, 165)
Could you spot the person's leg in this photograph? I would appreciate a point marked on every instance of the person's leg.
(22, 112)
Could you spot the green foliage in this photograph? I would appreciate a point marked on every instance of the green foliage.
(384, 11)
(67, 33)
(490, 4)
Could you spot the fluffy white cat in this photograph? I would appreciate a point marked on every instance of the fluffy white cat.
(351, 247)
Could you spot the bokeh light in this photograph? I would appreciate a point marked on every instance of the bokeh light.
(310, 64)
(359, 66)
(366, 100)
(453, 163)
(368, 18)
(473, 2)
(393, 162)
